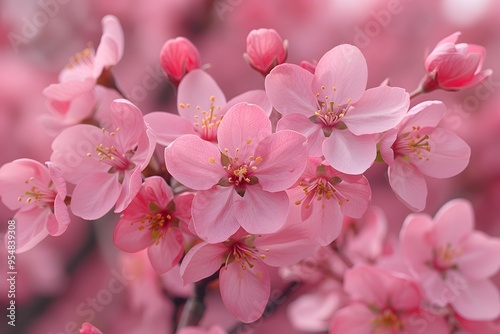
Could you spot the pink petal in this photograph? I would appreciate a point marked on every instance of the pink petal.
(245, 291)
(129, 238)
(454, 222)
(69, 90)
(130, 123)
(353, 319)
(213, 214)
(257, 97)
(415, 246)
(131, 185)
(480, 300)
(359, 195)
(288, 87)
(145, 148)
(421, 321)
(284, 158)
(343, 67)
(196, 90)
(259, 211)
(425, 114)
(110, 49)
(303, 125)
(202, 261)
(349, 153)
(243, 127)
(368, 243)
(30, 227)
(448, 157)
(93, 198)
(325, 221)
(189, 160)
(87, 328)
(385, 146)
(167, 253)
(378, 110)
(367, 284)
(168, 127)
(475, 261)
(408, 184)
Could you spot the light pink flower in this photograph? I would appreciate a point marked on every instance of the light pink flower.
(241, 182)
(244, 282)
(332, 108)
(179, 56)
(105, 164)
(88, 328)
(153, 220)
(325, 195)
(265, 50)
(452, 66)
(418, 147)
(201, 106)
(38, 194)
(452, 261)
(383, 302)
(73, 99)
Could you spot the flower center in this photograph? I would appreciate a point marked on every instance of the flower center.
(387, 320)
(158, 222)
(36, 194)
(84, 58)
(321, 189)
(329, 112)
(206, 126)
(444, 257)
(413, 144)
(244, 253)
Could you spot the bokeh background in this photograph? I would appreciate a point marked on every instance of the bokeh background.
(59, 279)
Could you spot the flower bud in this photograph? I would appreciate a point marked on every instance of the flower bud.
(265, 50)
(179, 56)
(453, 66)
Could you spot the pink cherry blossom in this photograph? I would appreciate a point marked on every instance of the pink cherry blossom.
(325, 195)
(383, 302)
(201, 106)
(452, 261)
(38, 194)
(105, 164)
(179, 56)
(152, 220)
(265, 50)
(452, 66)
(73, 99)
(242, 181)
(244, 281)
(332, 108)
(420, 146)
(88, 328)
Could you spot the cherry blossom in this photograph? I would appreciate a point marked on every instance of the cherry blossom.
(265, 50)
(179, 56)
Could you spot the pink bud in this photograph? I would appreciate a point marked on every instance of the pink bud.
(265, 50)
(89, 329)
(453, 66)
(179, 56)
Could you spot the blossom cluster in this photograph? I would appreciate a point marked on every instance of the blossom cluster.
(226, 189)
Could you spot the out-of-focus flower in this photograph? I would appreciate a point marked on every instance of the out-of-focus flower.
(89, 329)
(383, 302)
(332, 108)
(179, 56)
(73, 99)
(152, 220)
(241, 182)
(201, 106)
(199, 330)
(418, 147)
(453, 66)
(38, 193)
(265, 50)
(105, 164)
(452, 261)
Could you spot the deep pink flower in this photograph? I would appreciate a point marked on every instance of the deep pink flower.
(244, 282)
(179, 56)
(325, 195)
(38, 194)
(452, 66)
(153, 220)
(265, 50)
(89, 329)
(452, 261)
(383, 302)
(418, 147)
(201, 106)
(241, 182)
(73, 99)
(105, 164)
(332, 108)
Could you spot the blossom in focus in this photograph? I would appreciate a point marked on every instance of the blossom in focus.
(89, 329)
(452, 261)
(179, 56)
(265, 50)
(452, 66)
(332, 108)
(73, 99)
(105, 164)
(242, 181)
(383, 302)
(201, 106)
(38, 193)
(153, 220)
(418, 147)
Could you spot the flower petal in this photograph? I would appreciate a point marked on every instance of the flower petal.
(454, 222)
(257, 97)
(168, 127)
(476, 261)
(480, 300)
(303, 125)
(30, 228)
(353, 319)
(166, 253)
(408, 184)
(202, 261)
